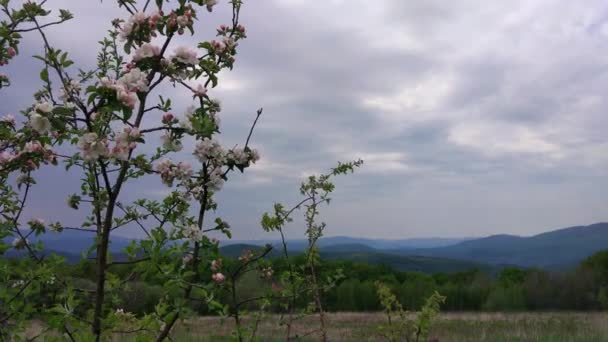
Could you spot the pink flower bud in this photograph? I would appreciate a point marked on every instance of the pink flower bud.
(31, 164)
(168, 117)
(218, 278)
(11, 51)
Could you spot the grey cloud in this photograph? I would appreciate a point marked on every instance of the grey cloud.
(476, 118)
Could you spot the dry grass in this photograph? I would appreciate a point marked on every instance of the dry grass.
(449, 327)
(452, 327)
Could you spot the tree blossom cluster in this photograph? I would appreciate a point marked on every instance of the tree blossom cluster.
(92, 121)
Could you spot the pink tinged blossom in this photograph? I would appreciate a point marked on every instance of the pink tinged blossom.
(134, 80)
(165, 168)
(6, 157)
(138, 18)
(134, 133)
(239, 156)
(126, 97)
(218, 278)
(209, 149)
(216, 180)
(229, 43)
(92, 148)
(107, 82)
(72, 87)
(33, 147)
(120, 153)
(185, 55)
(11, 52)
(125, 143)
(193, 233)
(200, 90)
(9, 119)
(155, 18)
(217, 46)
(183, 20)
(216, 265)
(134, 21)
(184, 171)
(146, 51)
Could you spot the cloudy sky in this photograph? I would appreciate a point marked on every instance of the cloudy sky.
(473, 117)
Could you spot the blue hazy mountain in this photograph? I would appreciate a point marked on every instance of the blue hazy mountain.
(555, 249)
(552, 250)
(378, 244)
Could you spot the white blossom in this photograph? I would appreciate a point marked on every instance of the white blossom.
(39, 123)
(126, 30)
(43, 107)
(209, 149)
(134, 80)
(185, 55)
(216, 180)
(8, 119)
(146, 51)
(193, 233)
(170, 143)
(91, 147)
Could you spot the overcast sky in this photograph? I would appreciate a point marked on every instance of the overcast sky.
(473, 117)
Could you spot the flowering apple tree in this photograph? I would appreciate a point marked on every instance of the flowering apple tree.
(96, 123)
(111, 127)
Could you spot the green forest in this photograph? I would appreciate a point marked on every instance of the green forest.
(584, 288)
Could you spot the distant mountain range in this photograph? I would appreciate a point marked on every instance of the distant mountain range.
(367, 254)
(551, 250)
(379, 244)
(556, 249)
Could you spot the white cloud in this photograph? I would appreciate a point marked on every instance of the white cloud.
(495, 139)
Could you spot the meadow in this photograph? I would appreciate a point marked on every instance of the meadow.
(457, 327)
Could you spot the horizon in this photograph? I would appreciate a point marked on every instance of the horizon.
(223, 239)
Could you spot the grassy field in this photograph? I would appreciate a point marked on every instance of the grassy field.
(451, 327)
(552, 327)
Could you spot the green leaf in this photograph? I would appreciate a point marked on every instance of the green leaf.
(44, 75)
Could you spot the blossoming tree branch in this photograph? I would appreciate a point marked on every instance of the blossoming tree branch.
(111, 126)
